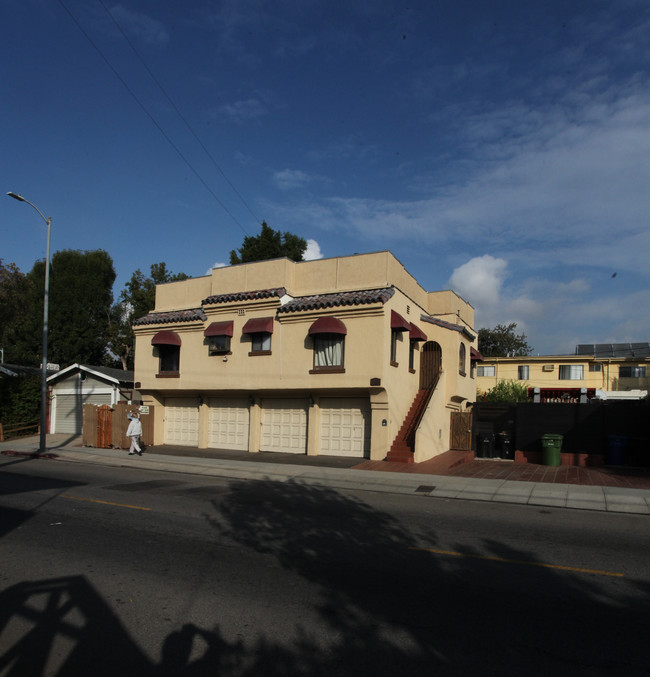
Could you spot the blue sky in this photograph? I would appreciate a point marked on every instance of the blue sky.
(501, 149)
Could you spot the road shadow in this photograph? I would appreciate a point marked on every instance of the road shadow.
(389, 602)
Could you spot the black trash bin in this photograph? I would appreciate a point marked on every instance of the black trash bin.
(485, 445)
(505, 446)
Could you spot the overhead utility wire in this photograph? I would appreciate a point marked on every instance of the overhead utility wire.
(151, 117)
(178, 111)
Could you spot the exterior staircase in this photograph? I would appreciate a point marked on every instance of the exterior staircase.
(402, 449)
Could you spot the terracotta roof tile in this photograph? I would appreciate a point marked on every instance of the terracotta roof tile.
(448, 325)
(172, 317)
(245, 296)
(346, 298)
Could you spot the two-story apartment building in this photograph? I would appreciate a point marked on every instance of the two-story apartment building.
(610, 368)
(314, 357)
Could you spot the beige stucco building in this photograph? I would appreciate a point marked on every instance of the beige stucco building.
(611, 368)
(315, 357)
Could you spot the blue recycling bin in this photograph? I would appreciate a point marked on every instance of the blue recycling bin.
(616, 448)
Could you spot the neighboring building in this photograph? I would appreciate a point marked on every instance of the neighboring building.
(315, 357)
(605, 367)
(81, 384)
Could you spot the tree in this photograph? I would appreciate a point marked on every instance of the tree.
(269, 244)
(507, 391)
(14, 288)
(80, 299)
(502, 341)
(136, 300)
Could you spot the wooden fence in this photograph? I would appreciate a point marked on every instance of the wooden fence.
(8, 431)
(105, 427)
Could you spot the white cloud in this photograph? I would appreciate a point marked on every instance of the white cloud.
(143, 27)
(243, 110)
(290, 179)
(313, 251)
(479, 281)
(216, 264)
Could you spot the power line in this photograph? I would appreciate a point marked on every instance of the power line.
(151, 117)
(176, 108)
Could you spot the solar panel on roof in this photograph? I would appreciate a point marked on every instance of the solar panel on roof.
(585, 349)
(621, 350)
(603, 349)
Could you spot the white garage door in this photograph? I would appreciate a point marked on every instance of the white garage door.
(182, 422)
(284, 426)
(345, 427)
(68, 410)
(228, 423)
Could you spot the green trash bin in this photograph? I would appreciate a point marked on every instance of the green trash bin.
(552, 449)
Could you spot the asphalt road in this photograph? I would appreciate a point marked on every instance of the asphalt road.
(116, 571)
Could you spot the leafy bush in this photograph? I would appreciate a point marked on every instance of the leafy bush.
(20, 399)
(508, 391)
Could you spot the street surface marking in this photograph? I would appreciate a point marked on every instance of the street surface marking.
(516, 561)
(94, 500)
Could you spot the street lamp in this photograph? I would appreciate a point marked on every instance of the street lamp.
(48, 220)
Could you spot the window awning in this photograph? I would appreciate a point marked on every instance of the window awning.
(166, 338)
(219, 329)
(258, 325)
(416, 334)
(475, 355)
(327, 325)
(398, 323)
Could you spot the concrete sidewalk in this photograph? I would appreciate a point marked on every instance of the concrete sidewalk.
(339, 473)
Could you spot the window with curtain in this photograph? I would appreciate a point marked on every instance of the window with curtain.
(571, 372)
(328, 350)
(523, 371)
(631, 372)
(261, 342)
(462, 355)
(487, 370)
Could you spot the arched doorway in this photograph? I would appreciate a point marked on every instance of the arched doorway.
(430, 364)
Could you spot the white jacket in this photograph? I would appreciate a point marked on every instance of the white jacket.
(135, 428)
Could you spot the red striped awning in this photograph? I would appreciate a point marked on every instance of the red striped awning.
(416, 334)
(219, 329)
(258, 325)
(166, 338)
(398, 323)
(327, 325)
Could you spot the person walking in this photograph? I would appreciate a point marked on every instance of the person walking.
(134, 431)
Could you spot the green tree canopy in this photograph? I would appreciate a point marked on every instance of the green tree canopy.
(503, 341)
(269, 244)
(80, 298)
(137, 299)
(14, 292)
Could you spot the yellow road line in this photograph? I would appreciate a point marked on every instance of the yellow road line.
(515, 561)
(94, 500)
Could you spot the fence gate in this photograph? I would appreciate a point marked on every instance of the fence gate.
(461, 430)
(104, 427)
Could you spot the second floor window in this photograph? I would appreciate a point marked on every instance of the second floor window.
(571, 372)
(631, 372)
(486, 370)
(261, 342)
(329, 350)
(523, 371)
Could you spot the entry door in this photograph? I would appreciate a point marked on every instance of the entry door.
(430, 364)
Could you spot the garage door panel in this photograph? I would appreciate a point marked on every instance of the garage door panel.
(228, 424)
(182, 422)
(284, 426)
(68, 410)
(345, 427)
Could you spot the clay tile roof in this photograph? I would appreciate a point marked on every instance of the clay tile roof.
(245, 296)
(448, 325)
(345, 298)
(172, 317)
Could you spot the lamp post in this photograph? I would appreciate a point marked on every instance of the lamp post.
(46, 293)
